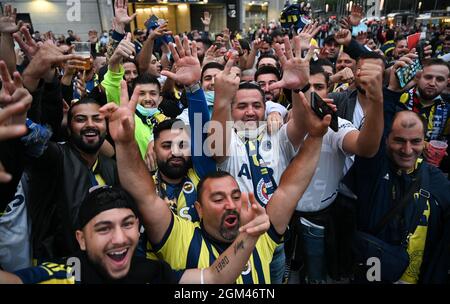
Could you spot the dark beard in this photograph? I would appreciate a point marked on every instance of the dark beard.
(427, 97)
(77, 140)
(174, 172)
(227, 234)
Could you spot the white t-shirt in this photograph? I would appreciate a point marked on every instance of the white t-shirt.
(358, 119)
(322, 190)
(276, 150)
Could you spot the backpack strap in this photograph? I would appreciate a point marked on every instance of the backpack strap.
(399, 206)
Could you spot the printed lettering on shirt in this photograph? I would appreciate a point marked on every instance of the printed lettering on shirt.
(244, 171)
(184, 213)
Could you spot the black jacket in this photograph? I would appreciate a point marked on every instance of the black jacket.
(345, 103)
(59, 181)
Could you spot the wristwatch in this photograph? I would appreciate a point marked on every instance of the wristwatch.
(193, 88)
(304, 90)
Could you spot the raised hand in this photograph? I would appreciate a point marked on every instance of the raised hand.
(150, 157)
(121, 12)
(8, 20)
(361, 38)
(356, 15)
(81, 87)
(295, 69)
(402, 62)
(427, 51)
(254, 219)
(210, 55)
(343, 76)
(8, 114)
(237, 46)
(159, 32)
(8, 128)
(121, 118)
(370, 79)
(307, 33)
(124, 50)
(315, 126)
(226, 35)
(257, 44)
(186, 60)
(29, 46)
(343, 37)
(206, 20)
(274, 122)
(226, 83)
(47, 57)
(13, 92)
(345, 23)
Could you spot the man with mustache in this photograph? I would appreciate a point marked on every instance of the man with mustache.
(178, 173)
(184, 244)
(426, 97)
(108, 234)
(405, 203)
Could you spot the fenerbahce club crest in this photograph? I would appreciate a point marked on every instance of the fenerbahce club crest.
(261, 190)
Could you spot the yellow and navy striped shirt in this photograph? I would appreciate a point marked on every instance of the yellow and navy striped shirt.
(47, 273)
(186, 246)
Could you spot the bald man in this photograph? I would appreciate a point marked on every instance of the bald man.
(403, 204)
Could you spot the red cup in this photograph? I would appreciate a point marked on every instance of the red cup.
(436, 152)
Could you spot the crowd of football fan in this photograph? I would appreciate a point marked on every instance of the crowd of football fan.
(287, 155)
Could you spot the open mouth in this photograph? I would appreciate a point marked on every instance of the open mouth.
(149, 104)
(231, 221)
(90, 134)
(118, 256)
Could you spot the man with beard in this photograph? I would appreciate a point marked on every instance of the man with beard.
(265, 76)
(425, 98)
(248, 109)
(177, 178)
(108, 234)
(275, 99)
(256, 158)
(61, 176)
(186, 245)
(418, 226)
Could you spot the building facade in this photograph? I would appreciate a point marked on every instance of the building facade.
(59, 16)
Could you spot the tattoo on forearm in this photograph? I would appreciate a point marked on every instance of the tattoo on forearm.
(239, 245)
(222, 264)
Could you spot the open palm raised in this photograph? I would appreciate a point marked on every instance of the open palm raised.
(121, 10)
(186, 60)
(8, 20)
(295, 69)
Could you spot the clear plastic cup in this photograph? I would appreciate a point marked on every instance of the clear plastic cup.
(83, 49)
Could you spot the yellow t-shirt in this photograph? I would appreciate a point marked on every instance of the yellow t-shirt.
(185, 246)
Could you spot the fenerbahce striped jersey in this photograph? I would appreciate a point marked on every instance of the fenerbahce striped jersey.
(185, 245)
